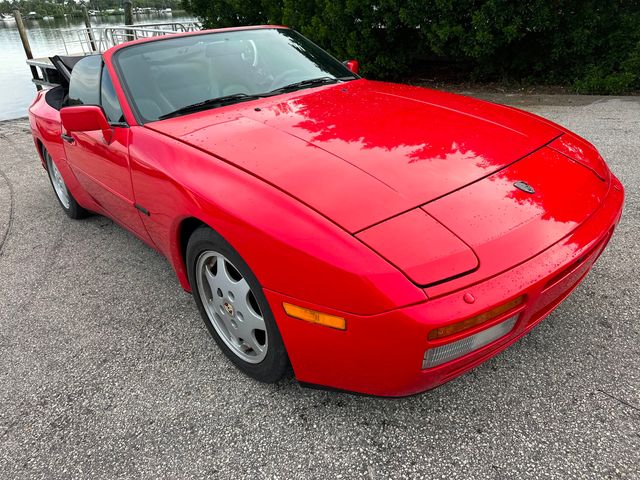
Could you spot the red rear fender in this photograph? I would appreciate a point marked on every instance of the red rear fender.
(46, 129)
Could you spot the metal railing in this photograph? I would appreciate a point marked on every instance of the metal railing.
(83, 41)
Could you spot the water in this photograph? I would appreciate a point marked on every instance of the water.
(45, 36)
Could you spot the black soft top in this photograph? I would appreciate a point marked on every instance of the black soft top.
(64, 65)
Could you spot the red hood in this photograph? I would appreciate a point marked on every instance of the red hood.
(363, 151)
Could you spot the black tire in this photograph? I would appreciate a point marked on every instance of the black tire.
(73, 209)
(275, 365)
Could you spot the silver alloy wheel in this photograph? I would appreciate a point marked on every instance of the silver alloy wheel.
(58, 183)
(231, 307)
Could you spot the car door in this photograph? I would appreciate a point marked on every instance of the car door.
(101, 167)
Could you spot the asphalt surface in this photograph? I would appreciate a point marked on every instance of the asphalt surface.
(107, 370)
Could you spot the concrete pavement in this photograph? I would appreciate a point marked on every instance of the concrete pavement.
(107, 371)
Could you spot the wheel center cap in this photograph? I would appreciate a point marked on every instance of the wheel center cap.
(229, 309)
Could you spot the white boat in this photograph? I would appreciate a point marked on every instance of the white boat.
(47, 17)
(165, 10)
(7, 17)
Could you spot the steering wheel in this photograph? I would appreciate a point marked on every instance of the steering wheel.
(277, 81)
(249, 53)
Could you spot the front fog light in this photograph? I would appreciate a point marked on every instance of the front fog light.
(439, 355)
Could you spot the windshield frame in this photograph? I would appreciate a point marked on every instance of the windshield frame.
(140, 119)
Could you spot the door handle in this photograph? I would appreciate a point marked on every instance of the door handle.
(67, 138)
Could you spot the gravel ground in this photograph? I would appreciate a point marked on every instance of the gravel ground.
(107, 370)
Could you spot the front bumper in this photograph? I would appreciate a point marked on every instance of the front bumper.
(382, 354)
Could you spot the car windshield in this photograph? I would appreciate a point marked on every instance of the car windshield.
(175, 76)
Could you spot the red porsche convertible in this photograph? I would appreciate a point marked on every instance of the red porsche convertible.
(373, 237)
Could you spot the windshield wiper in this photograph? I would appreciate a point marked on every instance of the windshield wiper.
(313, 82)
(210, 103)
(241, 97)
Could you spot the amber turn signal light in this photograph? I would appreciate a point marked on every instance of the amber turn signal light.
(312, 316)
(473, 321)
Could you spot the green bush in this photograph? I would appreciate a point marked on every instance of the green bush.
(591, 45)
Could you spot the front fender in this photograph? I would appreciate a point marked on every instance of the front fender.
(291, 248)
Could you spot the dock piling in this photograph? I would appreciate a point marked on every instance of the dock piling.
(128, 18)
(25, 44)
(87, 23)
(128, 12)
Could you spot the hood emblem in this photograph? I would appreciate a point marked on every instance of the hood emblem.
(524, 186)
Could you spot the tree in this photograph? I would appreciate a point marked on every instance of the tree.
(593, 45)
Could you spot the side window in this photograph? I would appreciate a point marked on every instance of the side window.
(109, 99)
(84, 86)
